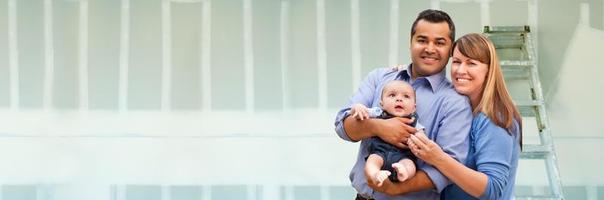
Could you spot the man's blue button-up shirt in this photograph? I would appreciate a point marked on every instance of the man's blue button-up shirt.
(446, 115)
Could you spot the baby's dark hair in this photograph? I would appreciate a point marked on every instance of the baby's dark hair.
(395, 81)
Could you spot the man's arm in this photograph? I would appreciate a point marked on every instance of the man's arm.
(421, 181)
(395, 130)
(364, 95)
(451, 136)
(417, 183)
(359, 125)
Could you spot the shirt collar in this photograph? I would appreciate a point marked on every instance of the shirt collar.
(434, 80)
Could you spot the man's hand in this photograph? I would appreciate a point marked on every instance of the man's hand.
(359, 111)
(395, 131)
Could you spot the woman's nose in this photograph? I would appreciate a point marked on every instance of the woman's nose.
(461, 68)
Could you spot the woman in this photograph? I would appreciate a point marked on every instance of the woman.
(495, 137)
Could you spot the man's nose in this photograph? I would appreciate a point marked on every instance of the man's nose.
(429, 48)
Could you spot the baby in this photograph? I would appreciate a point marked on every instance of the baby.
(386, 160)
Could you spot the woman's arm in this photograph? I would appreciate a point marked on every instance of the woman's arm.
(493, 157)
(473, 182)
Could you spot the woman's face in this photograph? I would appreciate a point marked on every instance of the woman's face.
(468, 75)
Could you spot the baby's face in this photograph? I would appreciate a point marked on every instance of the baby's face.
(398, 99)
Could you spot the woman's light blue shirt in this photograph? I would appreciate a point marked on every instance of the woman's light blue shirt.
(494, 152)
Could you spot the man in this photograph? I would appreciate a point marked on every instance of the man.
(446, 115)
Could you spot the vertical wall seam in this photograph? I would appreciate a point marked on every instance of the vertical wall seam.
(83, 53)
(324, 192)
(13, 54)
(289, 192)
(205, 57)
(124, 55)
(355, 43)
(248, 55)
(166, 75)
(435, 4)
(165, 189)
(394, 32)
(284, 53)
(321, 55)
(47, 98)
(485, 13)
(251, 192)
(206, 192)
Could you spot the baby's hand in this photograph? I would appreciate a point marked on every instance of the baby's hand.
(398, 67)
(359, 111)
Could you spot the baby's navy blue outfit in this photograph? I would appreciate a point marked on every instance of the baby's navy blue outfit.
(390, 153)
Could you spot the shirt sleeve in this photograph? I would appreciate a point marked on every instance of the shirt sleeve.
(494, 149)
(452, 137)
(363, 95)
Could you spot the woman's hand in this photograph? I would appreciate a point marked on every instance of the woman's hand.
(425, 149)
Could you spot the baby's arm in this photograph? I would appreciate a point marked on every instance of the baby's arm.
(361, 112)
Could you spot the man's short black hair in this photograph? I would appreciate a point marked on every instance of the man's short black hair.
(435, 16)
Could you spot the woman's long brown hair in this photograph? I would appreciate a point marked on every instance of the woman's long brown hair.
(496, 102)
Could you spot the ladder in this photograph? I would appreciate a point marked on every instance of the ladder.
(518, 62)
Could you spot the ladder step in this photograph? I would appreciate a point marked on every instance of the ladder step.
(538, 197)
(512, 54)
(535, 151)
(528, 108)
(506, 29)
(519, 63)
(508, 41)
(515, 69)
(528, 103)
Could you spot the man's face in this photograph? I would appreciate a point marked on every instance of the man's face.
(430, 48)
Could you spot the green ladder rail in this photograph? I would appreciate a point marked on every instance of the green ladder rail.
(516, 52)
